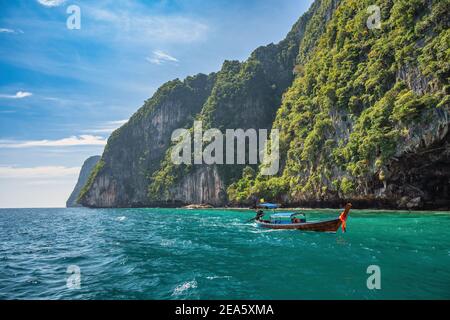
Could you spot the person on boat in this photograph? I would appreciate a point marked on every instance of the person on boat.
(298, 218)
(259, 215)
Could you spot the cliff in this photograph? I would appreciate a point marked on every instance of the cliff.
(367, 119)
(134, 151)
(363, 116)
(246, 95)
(85, 172)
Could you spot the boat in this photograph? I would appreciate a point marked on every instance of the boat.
(297, 220)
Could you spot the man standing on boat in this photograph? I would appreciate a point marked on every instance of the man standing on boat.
(259, 215)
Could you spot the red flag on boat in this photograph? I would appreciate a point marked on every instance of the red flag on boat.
(344, 222)
(344, 215)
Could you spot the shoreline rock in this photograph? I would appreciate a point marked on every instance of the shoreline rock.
(198, 206)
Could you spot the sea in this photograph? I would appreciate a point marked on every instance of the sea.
(182, 254)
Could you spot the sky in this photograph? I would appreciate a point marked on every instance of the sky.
(64, 90)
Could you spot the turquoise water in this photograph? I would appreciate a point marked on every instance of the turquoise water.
(189, 254)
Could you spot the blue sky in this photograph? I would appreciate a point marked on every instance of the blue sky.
(62, 91)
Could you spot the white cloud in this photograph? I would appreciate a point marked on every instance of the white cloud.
(36, 187)
(6, 30)
(107, 127)
(118, 122)
(130, 26)
(38, 172)
(18, 95)
(21, 95)
(82, 140)
(159, 57)
(51, 3)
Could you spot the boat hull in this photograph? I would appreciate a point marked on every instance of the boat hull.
(320, 226)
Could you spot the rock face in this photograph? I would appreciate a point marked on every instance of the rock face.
(241, 95)
(203, 186)
(86, 170)
(420, 177)
(363, 116)
(134, 151)
(245, 96)
(367, 119)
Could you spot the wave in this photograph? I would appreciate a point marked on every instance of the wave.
(184, 287)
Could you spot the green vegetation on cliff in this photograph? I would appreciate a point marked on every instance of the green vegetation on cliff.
(99, 166)
(248, 94)
(357, 100)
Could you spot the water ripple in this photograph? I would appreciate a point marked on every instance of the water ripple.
(198, 254)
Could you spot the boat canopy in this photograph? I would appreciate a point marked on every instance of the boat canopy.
(268, 205)
(281, 215)
(286, 214)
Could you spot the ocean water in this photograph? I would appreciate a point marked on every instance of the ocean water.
(215, 254)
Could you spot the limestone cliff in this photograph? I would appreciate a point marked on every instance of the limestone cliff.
(363, 115)
(86, 170)
(134, 151)
(367, 119)
(246, 95)
(241, 95)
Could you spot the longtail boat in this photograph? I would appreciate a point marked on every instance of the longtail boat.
(297, 220)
